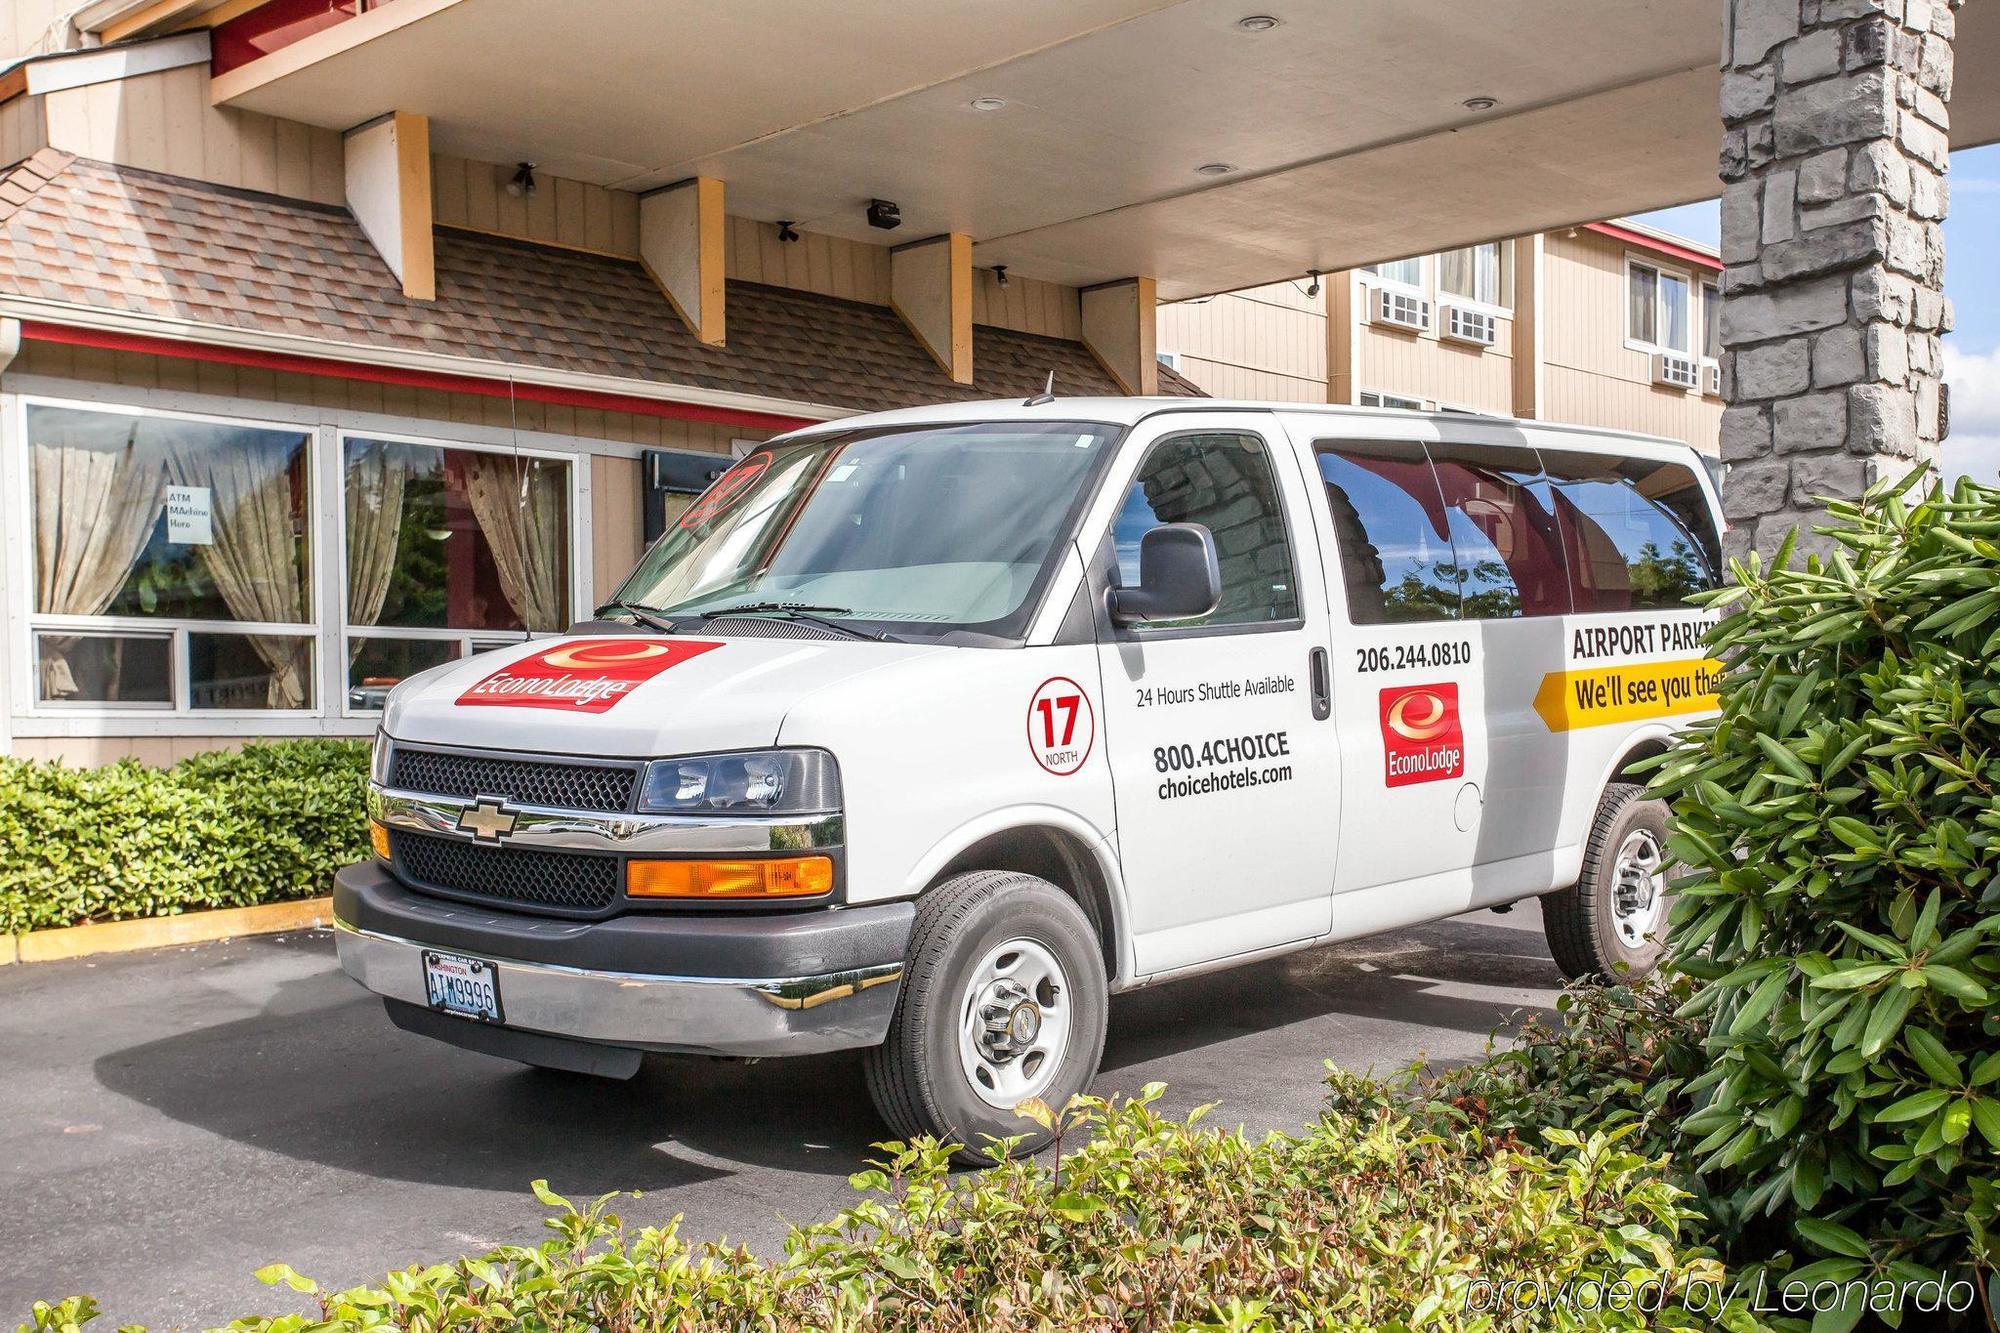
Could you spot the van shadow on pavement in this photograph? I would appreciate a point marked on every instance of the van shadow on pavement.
(319, 1074)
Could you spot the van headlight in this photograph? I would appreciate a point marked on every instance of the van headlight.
(749, 782)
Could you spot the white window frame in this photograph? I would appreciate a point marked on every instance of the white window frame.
(1400, 402)
(1711, 295)
(28, 624)
(1503, 279)
(28, 718)
(1694, 306)
(1426, 272)
(469, 641)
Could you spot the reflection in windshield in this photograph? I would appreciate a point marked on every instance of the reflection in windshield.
(946, 527)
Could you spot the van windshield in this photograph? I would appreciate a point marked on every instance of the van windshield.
(923, 530)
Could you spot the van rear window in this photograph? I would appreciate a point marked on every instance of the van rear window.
(1637, 534)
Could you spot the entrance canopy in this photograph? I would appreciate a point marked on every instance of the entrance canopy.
(1216, 144)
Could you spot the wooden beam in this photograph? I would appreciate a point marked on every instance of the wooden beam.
(681, 230)
(389, 192)
(930, 286)
(1342, 337)
(1530, 265)
(1121, 328)
(137, 22)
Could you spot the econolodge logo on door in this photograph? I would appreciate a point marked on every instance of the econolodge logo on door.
(583, 675)
(1422, 740)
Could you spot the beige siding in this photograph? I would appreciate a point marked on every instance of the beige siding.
(1026, 304)
(473, 195)
(1592, 377)
(23, 129)
(813, 263)
(1264, 342)
(615, 530)
(90, 751)
(1422, 366)
(163, 122)
(35, 28)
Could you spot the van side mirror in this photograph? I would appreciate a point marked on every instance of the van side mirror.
(1179, 577)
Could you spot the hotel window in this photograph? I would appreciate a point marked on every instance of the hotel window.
(1374, 398)
(448, 551)
(1711, 321)
(1482, 273)
(1657, 305)
(1403, 272)
(170, 557)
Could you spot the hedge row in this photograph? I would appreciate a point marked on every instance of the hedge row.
(262, 824)
(1361, 1223)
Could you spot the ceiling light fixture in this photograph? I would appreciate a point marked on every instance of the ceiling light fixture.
(1481, 103)
(1257, 23)
(1213, 169)
(523, 181)
(988, 103)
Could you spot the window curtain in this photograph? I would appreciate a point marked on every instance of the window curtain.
(1455, 274)
(377, 476)
(95, 508)
(254, 558)
(521, 506)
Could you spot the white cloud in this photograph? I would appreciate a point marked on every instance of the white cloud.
(1973, 448)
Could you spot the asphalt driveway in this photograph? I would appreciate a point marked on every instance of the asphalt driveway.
(171, 1121)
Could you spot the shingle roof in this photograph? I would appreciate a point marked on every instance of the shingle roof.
(90, 233)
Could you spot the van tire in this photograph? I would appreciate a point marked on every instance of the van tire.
(918, 1078)
(1586, 933)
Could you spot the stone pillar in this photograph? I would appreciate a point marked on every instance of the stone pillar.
(1833, 159)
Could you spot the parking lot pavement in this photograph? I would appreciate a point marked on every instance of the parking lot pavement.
(171, 1121)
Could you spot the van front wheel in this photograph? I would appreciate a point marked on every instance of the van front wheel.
(1610, 924)
(1004, 998)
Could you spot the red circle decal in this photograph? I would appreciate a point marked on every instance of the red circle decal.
(1062, 726)
(726, 490)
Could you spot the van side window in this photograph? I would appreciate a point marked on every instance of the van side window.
(1224, 482)
(1390, 529)
(1503, 527)
(1638, 534)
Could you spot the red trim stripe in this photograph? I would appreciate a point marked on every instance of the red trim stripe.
(330, 368)
(1653, 243)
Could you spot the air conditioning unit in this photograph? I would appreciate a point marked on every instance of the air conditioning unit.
(1401, 310)
(1469, 326)
(1712, 380)
(1680, 372)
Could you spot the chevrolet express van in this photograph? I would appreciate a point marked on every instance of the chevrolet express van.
(927, 731)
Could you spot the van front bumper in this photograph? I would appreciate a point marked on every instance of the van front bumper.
(742, 984)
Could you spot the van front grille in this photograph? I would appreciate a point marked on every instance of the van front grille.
(569, 883)
(544, 782)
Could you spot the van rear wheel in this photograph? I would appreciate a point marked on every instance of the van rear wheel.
(1610, 924)
(1004, 999)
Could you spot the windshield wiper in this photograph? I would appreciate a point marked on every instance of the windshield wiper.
(648, 616)
(804, 612)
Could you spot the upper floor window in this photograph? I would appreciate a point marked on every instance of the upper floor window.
(1376, 398)
(1405, 272)
(1482, 273)
(1711, 320)
(1657, 307)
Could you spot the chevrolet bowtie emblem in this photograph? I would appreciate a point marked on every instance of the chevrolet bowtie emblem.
(487, 820)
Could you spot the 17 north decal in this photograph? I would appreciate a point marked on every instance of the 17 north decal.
(1422, 739)
(583, 675)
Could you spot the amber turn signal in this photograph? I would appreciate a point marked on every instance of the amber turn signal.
(379, 836)
(782, 877)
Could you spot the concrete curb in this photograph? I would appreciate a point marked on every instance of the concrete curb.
(44, 946)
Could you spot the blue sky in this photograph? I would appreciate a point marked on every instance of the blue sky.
(1971, 279)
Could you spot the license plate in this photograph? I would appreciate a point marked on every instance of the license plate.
(456, 984)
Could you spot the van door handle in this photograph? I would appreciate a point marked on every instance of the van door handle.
(1322, 685)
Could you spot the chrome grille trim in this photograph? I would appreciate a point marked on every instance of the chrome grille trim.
(542, 827)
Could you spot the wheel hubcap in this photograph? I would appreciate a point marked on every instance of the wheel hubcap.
(1015, 1023)
(1638, 888)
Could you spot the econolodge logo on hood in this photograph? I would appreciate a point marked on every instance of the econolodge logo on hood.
(581, 675)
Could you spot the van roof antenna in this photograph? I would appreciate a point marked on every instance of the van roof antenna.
(1047, 395)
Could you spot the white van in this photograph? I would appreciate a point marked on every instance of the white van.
(926, 731)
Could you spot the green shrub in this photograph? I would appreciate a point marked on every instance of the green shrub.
(1839, 818)
(261, 824)
(1360, 1224)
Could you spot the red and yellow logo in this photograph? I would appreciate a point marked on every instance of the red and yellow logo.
(583, 675)
(1422, 740)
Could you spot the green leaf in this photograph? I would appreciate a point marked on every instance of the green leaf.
(1760, 1004)
(1914, 1107)
(1832, 1237)
(1930, 1053)
(1885, 1018)
(1953, 982)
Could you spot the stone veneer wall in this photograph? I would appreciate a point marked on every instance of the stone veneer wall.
(1834, 157)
